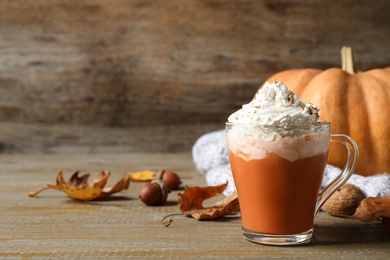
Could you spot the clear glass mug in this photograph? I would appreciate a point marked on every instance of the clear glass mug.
(278, 173)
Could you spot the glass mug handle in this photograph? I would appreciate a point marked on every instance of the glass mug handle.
(349, 168)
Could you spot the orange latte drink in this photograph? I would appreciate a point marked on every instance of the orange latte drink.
(277, 196)
(278, 150)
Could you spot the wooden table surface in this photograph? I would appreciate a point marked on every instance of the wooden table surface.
(52, 225)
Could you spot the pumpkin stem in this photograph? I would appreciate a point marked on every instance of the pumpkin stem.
(347, 60)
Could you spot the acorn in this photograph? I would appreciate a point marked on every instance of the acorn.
(154, 193)
(170, 179)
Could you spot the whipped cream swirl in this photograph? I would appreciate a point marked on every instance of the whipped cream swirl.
(277, 121)
(275, 105)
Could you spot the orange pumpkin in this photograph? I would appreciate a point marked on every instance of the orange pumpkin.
(356, 104)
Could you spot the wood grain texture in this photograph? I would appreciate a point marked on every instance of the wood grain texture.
(182, 66)
(52, 225)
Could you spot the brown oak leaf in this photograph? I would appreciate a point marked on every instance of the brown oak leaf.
(191, 202)
(373, 208)
(78, 187)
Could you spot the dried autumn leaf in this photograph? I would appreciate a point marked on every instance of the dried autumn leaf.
(78, 188)
(373, 208)
(122, 184)
(142, 175)
(191, 202)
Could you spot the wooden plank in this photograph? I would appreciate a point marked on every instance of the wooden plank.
(52, 225)
(135, 63)
(18, 138)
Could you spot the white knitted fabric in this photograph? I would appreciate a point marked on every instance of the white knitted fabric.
(211, 159)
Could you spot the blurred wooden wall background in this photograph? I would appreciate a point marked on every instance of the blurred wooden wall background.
(154, 75)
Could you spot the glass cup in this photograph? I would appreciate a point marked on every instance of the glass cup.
(278, 173)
